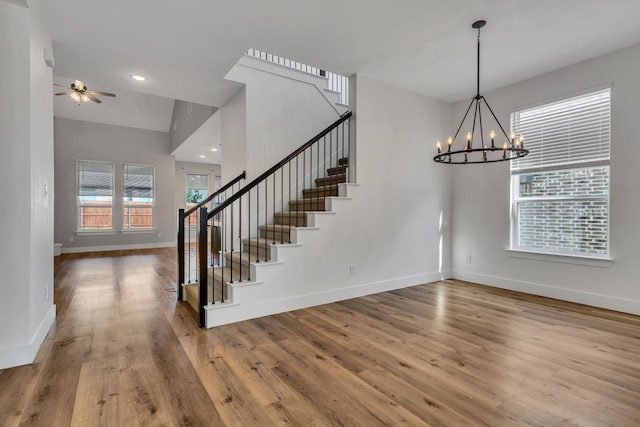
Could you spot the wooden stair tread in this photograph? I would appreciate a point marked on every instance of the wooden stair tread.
(338, 170)
(332, 179)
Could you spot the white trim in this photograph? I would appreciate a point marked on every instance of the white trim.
(139, 231)
(26, 353)
(95, 232)
(572, 295)
(78, 249)
(241, 310)
(592, 261)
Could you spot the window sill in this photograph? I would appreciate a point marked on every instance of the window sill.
(140, 231)
(561, 258)
(95, 232)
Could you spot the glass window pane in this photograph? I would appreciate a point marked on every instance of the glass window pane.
(574, 226)
(95, 218)
(565, 183)
(138, 218)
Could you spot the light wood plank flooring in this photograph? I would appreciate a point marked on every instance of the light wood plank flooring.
(123, 353)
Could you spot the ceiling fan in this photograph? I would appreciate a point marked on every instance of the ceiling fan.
(80, 93)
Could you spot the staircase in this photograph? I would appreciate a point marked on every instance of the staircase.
(238, 264)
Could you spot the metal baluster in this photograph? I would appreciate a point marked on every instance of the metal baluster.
(281, 202)
(258, 222)
(297, 192)
(266, 209)
(282, 225)
(249, 231)
(304, 180)
(317, 173)
(274, 205)
(240, 232)
(189, 252)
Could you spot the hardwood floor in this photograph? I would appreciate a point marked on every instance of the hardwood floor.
(123, 353)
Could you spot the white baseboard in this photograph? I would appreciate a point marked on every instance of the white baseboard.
(564, 294)
(230, 313)
(24, 354)
(74, 250)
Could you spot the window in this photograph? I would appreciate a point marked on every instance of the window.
(138, 197)
(197, 188)
(560, 191)
(95, 195)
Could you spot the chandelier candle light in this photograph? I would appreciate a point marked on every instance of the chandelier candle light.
(512, 148)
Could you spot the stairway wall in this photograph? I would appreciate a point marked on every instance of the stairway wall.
(393, 228)
(282, 112)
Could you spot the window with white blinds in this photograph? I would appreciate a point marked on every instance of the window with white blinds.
(138, 196)
(94, 195)
(570, 131)
(560, 191)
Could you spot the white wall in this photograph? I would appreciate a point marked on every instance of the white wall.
(282, 113)
(480, 220)
(80, 140)
(405, 204)
(233, 130)
(26, 166)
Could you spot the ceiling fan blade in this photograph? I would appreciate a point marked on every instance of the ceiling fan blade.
(97, 92)
(93, 98)
(56, 84)
(64, 93)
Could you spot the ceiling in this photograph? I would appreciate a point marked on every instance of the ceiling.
(184, 48)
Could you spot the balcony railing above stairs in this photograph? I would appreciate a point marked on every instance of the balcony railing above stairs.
(335, 82)
(189, 235)
(265, 211)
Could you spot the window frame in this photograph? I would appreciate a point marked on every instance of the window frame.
(80, 206)
(516, 199)
(127, 207)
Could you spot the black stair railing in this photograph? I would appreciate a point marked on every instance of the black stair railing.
(189, 257)
(265, 211)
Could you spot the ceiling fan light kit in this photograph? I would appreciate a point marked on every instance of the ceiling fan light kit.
(511, 148)
(80, 93)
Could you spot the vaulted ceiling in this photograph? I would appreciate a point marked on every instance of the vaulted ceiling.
(184, 48)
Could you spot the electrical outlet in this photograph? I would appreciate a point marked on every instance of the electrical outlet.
(468, 259)
(352, 270)
(46, 293)
(159, 235)
(71, 238)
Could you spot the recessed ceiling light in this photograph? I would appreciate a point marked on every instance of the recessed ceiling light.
(202, 157)
(214, 149)
(138, 77)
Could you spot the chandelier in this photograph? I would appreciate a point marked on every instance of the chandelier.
(472, 151)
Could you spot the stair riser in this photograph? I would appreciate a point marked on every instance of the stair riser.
(276, 236)
(307, 206)
(339, 170)
(257, 253)
(320, 192)
(331, 180)
(245, 259)
(218, 277)
(292, 221)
